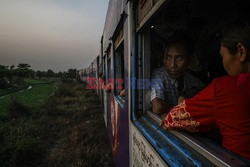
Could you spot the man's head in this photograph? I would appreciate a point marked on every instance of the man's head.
(177, 53)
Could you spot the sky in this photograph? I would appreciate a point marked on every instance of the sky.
(51, 34)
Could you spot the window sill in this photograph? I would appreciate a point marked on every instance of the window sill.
(184, 148)
(120, 100)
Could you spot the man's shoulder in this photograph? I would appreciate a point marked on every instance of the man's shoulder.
(161, 69)
(159, 72)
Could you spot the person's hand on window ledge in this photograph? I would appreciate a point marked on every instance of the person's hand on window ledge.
(180, 99)
(122, 93)
(108, 87)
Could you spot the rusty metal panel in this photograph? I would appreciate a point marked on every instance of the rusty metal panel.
(143, 8)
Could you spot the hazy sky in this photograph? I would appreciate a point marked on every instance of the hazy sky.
(51, 34)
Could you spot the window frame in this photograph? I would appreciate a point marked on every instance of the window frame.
(118, 50)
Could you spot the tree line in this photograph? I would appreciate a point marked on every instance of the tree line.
(11, 75)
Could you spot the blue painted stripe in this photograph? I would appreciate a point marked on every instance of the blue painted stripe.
(169, 147)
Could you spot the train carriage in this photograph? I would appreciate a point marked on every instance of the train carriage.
(131, 47)
(82, 74)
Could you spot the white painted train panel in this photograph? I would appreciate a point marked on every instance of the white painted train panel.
(142, 153)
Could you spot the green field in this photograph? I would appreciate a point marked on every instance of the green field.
(11, 90)
(39, 91)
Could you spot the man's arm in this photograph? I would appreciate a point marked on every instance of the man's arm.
(160, 106)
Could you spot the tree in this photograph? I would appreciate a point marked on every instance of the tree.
(50, 73)
(11, 74)
(23, 70)
(23, 66)
(39, 74)
(60, 74)
(3, 75)
(32, 73)
(72, 73)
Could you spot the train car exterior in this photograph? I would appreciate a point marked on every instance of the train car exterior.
(131, 47)
(79, 75)
(115, 50)
(82, 74)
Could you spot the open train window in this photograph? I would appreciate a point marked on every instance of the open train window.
(152, 36)
(109, 67)
(118, 51)
(119, 69)
(154, 25)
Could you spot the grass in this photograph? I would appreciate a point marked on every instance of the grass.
(40, 91)
(66, 130)
(13, 89)
(35, 81)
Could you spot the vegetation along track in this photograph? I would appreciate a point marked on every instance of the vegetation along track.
(66, 130)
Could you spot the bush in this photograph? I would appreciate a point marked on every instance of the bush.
(3, 83)
(17, 109)
(64, 131)
(68, 81)
(20, 150)
(19, 81)
(64, 91)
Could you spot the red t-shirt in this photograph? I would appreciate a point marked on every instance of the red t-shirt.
(224, 104)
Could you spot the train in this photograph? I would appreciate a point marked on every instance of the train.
(131, 46)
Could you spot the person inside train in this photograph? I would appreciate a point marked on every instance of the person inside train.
(224, 104)
(174, 79)
(122, 92)
(107, 87)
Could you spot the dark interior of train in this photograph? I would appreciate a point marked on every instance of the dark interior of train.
(203, 21)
